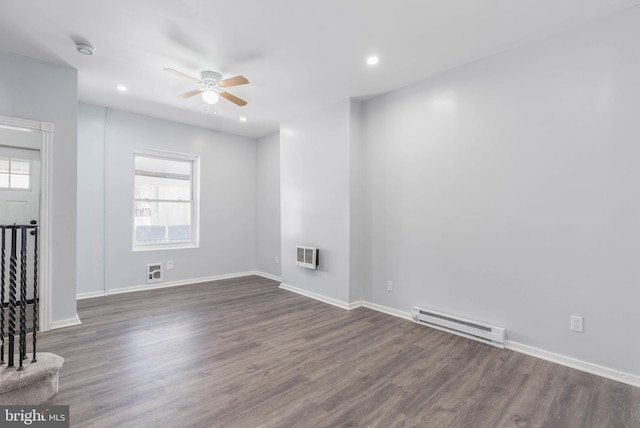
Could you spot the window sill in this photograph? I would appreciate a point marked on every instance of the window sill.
(154, 247)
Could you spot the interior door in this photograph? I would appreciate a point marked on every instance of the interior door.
(19, 204)
(19, 185)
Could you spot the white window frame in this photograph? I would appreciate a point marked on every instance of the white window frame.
(195, 200)
(9, 174)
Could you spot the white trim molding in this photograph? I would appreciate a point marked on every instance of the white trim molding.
(574, 363)
(356, 304)
(619, 376)
(595, 369)
(134, 288)
(315, 296)
(563, 360)
(178, 283)
(45, 269)
(388, 311)
(46, 257)
(268, 276)
(89, 295)
(65, 323)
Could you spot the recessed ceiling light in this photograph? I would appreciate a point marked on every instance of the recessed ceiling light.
(122, 88)
(85, 48)
(242, 119)
(372, 60)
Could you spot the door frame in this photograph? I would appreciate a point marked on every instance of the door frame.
(45, 262)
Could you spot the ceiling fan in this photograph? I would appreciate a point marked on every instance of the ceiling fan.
(212, 86)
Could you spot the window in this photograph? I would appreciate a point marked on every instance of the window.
(165, 200)
(15, 173)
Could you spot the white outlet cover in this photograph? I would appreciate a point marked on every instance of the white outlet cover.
(577, 324)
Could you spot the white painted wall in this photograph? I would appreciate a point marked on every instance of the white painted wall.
(91, 131)
(35, 90)
(314, 186)
(227, 192)
(268, 204)
(507, 191)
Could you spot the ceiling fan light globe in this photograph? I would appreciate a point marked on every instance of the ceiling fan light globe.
(210, 97)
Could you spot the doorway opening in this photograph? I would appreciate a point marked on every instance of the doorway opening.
(24, 197)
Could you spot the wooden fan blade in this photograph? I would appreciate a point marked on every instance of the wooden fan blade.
(181, 74)
(233, 81)
(191, 93)
(233, 98)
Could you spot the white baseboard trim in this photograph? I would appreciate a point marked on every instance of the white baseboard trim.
(177, 283)
(315, 296)
(90, 294)
(65, 323)
(619, 376)
(268, 276)
(563, 360)
(388, 311)
(354, 305)
(595, 369)
(132, 289)
(574, 363)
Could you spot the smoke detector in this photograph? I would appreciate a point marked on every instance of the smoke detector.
(85, 49)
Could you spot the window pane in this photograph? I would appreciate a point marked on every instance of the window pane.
(4, 180)
(19, 181)
(163, 199)
(4, 165)
(162, 222)
(175, 190)
(150, 234)
(143, 213)
(144, 190)
(162, 178)
(162, 188)
(20, 166)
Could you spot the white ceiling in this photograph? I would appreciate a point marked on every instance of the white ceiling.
(299, 55)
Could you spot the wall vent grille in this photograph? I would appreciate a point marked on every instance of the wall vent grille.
(307, 257)
(154, 273)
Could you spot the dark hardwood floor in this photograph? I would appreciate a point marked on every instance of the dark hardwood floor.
(243, 353)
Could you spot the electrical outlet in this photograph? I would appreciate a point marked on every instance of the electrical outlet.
(577, 324)
(169, 265)
(389, 286)
(277, 260)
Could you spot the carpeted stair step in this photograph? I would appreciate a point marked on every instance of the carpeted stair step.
(35, 384)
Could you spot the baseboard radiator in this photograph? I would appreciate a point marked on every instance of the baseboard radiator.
(463, 327)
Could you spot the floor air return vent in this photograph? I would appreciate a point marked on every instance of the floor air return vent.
(463, 327)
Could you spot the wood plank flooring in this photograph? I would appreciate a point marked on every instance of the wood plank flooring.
(243, 353)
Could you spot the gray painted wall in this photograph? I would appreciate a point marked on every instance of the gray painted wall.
(91, 131)
(506, 191)
(314, 186)
(359, 243)
(227, 192)
(268, 204)
(35, 90)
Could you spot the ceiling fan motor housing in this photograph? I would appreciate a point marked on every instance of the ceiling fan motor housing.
(210, 79)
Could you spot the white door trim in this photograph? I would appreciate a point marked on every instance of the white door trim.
(45, 271)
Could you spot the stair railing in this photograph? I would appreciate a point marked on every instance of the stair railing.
(17, 309)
